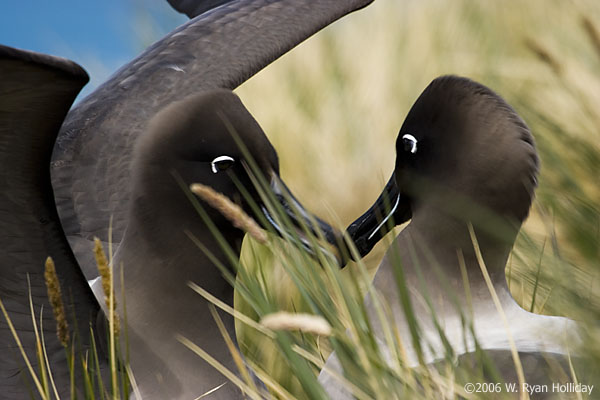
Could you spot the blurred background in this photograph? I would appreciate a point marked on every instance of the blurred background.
(332, 108)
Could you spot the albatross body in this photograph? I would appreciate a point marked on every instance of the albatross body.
(464, 158)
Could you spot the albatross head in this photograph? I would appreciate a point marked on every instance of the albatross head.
(211, 138)
(462, 155)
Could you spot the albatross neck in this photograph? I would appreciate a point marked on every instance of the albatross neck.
(437, 245)
(436, 256)
(161, 307)
(159, 249)
(430, 251)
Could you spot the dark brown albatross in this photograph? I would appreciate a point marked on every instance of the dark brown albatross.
(93, 178)
(222, 48)
(463, 156)
(190, 138)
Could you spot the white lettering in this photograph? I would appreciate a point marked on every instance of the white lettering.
(510, 387)
(531, 389)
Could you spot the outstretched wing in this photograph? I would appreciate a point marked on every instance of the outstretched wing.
(221, 48)
(36, 91)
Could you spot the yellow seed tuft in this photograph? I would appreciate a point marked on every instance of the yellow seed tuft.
(105, 276)
(284, 321)
(230, 210)
(55, 297)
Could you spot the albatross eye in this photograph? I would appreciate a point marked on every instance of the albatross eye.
(410, 143)
(221, 163)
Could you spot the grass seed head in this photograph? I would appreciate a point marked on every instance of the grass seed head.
(55, 297)
(105, 276)
(285, 321)
(230, 210)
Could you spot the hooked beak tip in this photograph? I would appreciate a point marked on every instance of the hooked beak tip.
(390, 209)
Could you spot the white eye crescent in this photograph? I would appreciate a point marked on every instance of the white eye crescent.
(221, 163)
(410, 143)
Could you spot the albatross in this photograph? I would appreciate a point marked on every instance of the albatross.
(192, 139)
(465, 173)
(109, 162)
(221, 48)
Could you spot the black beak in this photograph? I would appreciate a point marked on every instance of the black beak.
(389, 210)
(302, 220)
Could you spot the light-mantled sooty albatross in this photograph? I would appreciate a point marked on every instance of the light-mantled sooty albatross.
(191, 139)
(463, 157)
(93, 178)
